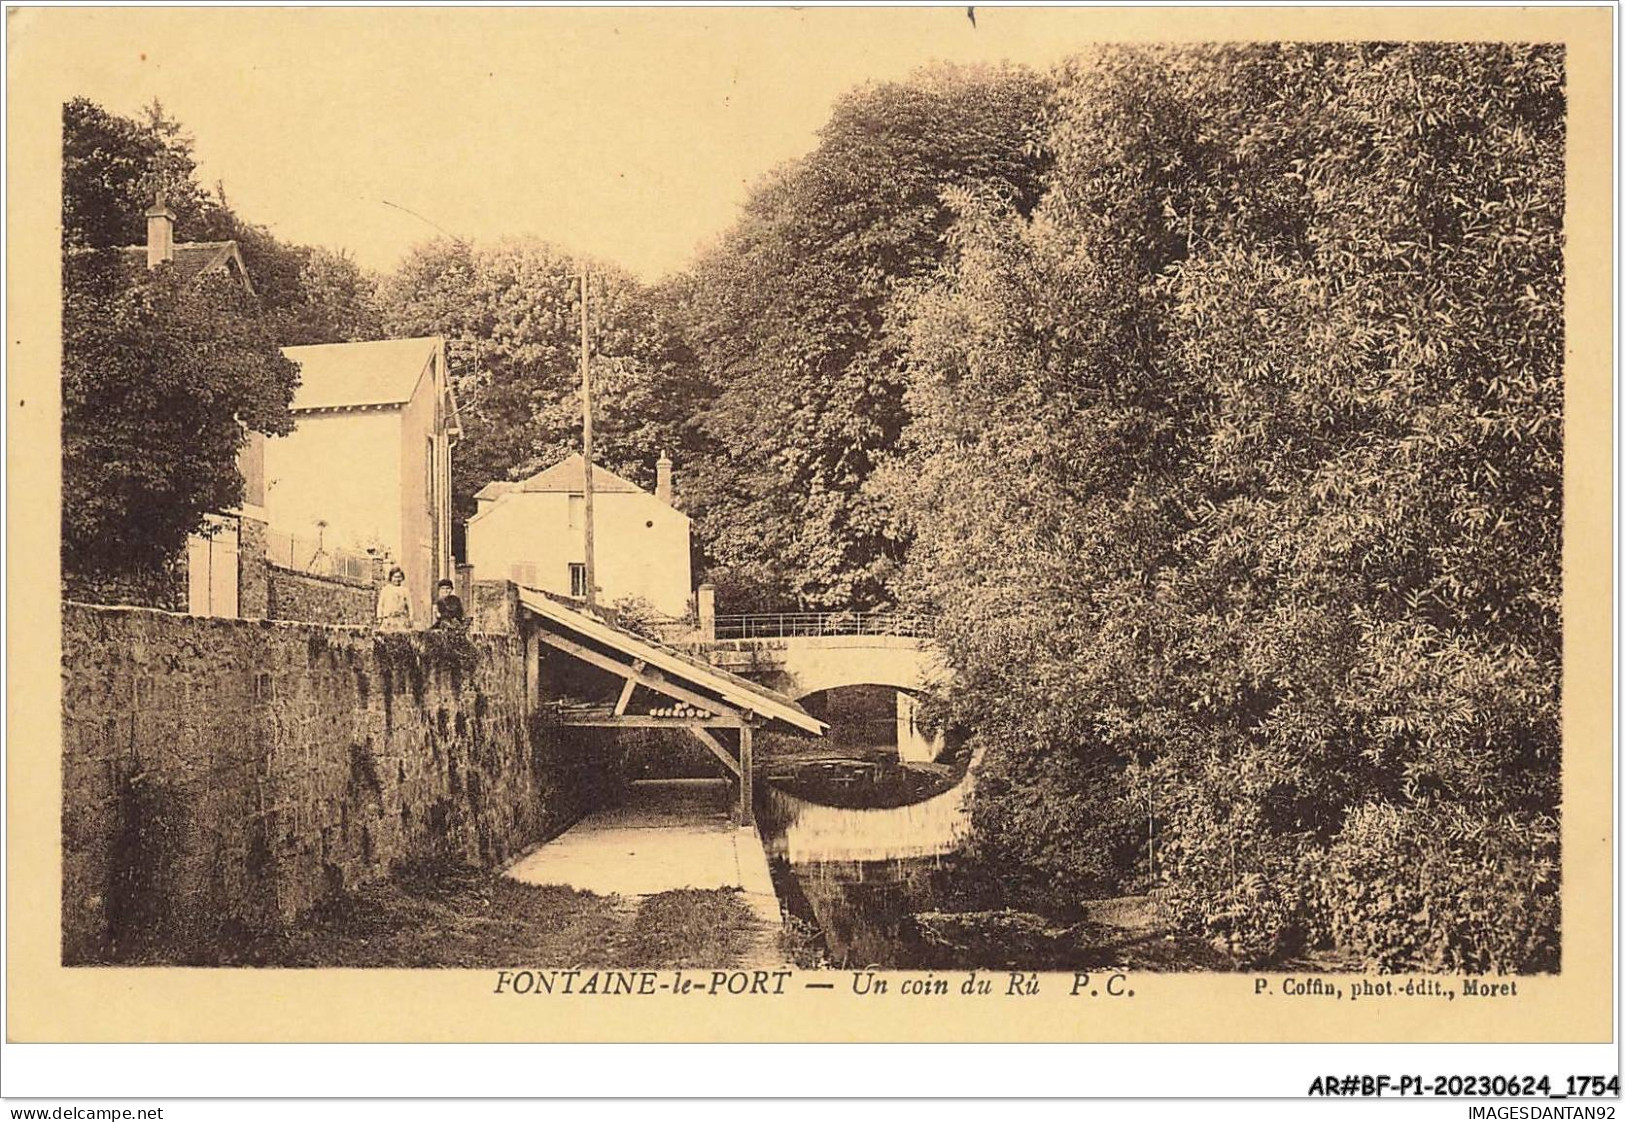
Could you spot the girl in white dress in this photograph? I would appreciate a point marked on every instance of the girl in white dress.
(394, 605)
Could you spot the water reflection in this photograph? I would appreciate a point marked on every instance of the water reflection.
(860, 874)
(805, 832)
(863, 910)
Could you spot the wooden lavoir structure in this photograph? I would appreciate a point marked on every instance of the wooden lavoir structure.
(658, 687)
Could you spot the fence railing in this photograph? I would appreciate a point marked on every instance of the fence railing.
(793, 625)
(309, 555)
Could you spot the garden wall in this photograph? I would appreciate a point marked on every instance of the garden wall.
(295, 595)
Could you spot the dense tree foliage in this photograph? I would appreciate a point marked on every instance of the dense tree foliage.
(161, 374)
(1236, 473)
(337, 301)
(113, 168)
(791, 316)
(771, 370)
(1212, 396)
(510, 312)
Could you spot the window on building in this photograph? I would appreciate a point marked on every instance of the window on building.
(578, 580)
(578, 511)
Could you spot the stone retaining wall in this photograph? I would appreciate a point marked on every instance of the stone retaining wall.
(221, 777)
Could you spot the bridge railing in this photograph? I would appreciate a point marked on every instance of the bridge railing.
(802, 625)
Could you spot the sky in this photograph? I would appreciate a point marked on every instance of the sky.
(632, 135)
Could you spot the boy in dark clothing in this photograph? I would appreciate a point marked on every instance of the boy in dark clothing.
(448, 609)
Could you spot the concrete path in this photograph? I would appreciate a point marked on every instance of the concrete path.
(668, 834)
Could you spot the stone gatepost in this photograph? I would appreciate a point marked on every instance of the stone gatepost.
(707, 601)
(494, 607)
(253, 572)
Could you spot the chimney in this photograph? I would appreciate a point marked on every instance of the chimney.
(663, 479)
(160, 233)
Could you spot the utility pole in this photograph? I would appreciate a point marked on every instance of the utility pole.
(586, 444)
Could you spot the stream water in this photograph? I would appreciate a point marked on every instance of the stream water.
(858, 875)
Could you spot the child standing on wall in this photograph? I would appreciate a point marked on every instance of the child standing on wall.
(394, 605)
(448, 609)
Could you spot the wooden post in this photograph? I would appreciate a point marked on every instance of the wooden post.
(533, 670)
(747, 816)
(586, 445)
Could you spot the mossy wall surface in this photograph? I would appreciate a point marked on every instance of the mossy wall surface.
(221, 777)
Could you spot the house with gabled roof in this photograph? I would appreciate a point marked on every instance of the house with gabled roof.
(195, 259)
(367, 468)
(533, 532)
(368, 465)
(188, 259)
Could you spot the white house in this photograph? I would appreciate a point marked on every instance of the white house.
(368, 465)
(533, 532)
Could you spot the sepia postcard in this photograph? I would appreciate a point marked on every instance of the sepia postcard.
(976, 524)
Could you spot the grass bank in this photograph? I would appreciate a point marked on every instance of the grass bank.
(453, 916)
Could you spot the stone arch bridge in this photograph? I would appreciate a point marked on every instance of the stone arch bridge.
(802, 653)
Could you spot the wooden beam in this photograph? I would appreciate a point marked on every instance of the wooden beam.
(643, 721)
(626, 696)
(604, 662)
(719, 752)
